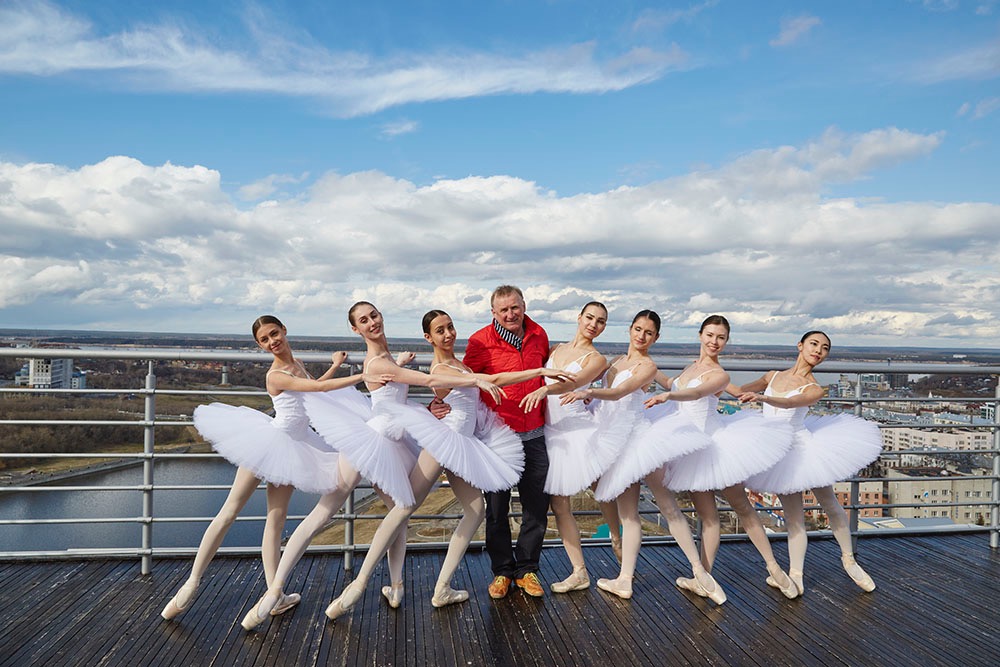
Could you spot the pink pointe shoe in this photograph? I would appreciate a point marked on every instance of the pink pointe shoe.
(577, 581)
(287, 602)
(445, 595)
(181, 602)
(855, 572)
(261, 611)
(778, 579)
(704, 585)
(347, 599)
(622, 587)
(394, 594)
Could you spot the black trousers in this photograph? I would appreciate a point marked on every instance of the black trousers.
(523, 557)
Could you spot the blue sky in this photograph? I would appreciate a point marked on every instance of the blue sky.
(793, 165)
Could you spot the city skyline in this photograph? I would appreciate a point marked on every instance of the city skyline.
(181, 167)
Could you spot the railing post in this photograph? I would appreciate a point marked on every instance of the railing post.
(148, 439)
(855, 494)
(349, 531)
(225, 375)
(995, 510)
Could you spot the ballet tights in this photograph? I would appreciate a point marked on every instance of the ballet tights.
(569, 531)
(314, 522)
(392, 531)
(628, 511)
(243, 487)
(795, 522)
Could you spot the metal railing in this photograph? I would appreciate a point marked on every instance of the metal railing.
(151, 421)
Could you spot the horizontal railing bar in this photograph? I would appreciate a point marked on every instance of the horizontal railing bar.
(673, 361)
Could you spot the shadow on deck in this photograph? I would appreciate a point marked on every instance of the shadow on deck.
(937, 603)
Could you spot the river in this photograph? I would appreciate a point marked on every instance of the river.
(167, 503)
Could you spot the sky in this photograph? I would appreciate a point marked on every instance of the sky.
(187, 166)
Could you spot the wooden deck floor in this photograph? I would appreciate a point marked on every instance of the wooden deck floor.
(937, 603)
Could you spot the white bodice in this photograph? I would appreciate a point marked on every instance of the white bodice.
(554, 412)
(290, 414)
(794, 416)
(702, 412)
(389, 392)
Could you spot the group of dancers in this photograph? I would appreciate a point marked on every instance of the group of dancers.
(326, 436)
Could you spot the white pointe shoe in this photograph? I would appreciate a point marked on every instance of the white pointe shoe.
(620, 587)
(855, 572)
(286, 603)
(446, 595)
(261, 611)
(577, 581)
(347, 599)
(394, 594)
(704, 585)
(181, 602)
(778, 579)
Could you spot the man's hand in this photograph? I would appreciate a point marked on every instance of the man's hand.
(438, 408)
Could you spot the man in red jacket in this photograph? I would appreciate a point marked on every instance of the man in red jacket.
(513, 342)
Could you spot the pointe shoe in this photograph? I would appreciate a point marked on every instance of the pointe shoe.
(704, 585)
(621, 588)
(180, 602)
(855, 572)
(285, 603)
(796, 577)
(446, 595)
(347, 599)
(577, 581)
(778, 579)
(710, 587)
(260, 611)
(394, 594)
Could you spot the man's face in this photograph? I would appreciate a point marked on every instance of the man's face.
(509, 312)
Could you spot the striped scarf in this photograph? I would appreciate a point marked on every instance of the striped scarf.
(511, 338)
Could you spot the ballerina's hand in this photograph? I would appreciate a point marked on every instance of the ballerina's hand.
(531, 401)
(496, 392)
(404, 358)
(573, 396)
(377, 378)
(656, 400)
(750, 397)
(338, 358)
(558, 375)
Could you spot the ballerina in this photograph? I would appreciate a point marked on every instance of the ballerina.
(388, 467)
(824, 450)
(741, 445)
(643, 456)
(283, 451)
(482, 454)
(578, 450)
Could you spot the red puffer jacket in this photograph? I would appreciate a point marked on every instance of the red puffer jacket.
(488, 353)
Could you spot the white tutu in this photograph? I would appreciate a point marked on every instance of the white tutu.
(650, 445)
(581, 447)
(825, 449)
(281, 451)
(458, 449)
(370, 442)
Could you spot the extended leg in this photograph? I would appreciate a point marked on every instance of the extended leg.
(243, 487)
(842, 532)
(628, 511)
(736, 496)
(569, 531)
(798, 541)
(473, 512)
(711, 528)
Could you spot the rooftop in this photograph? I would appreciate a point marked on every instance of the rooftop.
(936, 603)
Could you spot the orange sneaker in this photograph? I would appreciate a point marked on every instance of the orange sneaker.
(499, 587)
(530, 584)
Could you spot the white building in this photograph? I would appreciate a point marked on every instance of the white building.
(50, 374)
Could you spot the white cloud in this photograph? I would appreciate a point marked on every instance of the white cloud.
(399, 127)
(794, 29)
(964, 109)
(977, 62)
(755, 238)
(656, 20)
(268, 185)
(986, 107)
(43, 40)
